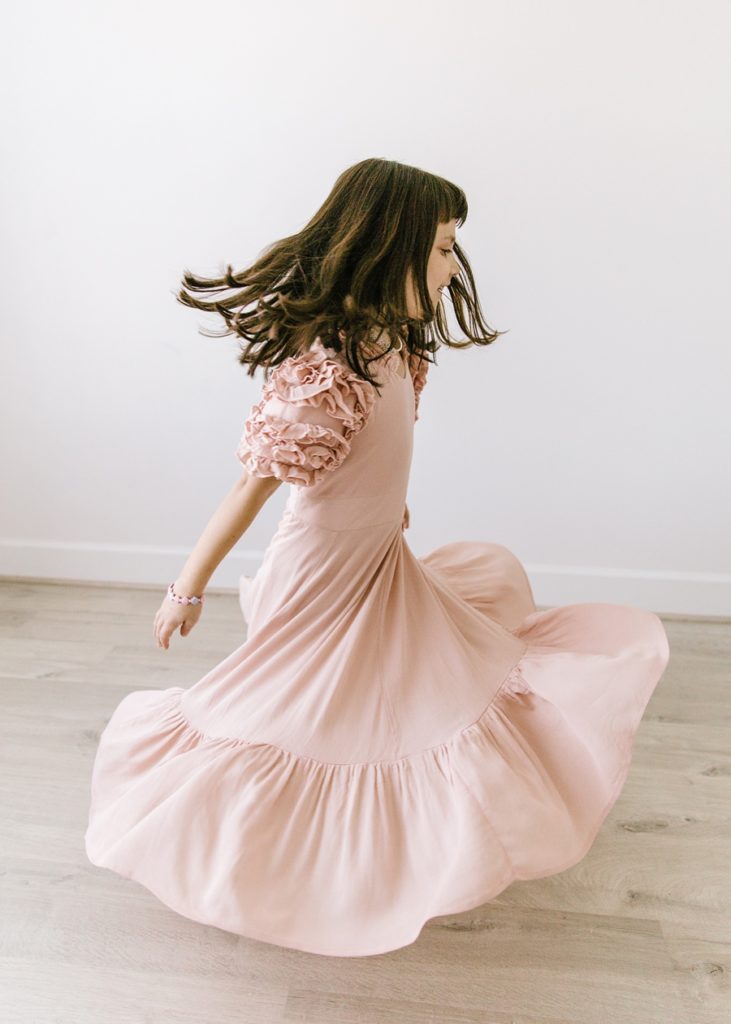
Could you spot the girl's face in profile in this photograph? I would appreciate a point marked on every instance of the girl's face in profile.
(441, 267)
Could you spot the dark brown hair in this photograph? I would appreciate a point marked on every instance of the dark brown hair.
(346, 271)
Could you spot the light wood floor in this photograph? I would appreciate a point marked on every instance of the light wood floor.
(638, 931)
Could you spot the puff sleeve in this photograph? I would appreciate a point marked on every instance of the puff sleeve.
(310, 408)
(418, 368)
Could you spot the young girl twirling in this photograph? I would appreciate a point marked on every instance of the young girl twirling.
(398, 737)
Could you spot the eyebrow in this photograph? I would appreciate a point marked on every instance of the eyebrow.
(451, 238)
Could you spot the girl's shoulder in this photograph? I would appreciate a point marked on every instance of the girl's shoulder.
(311, 407)
(320, 375)
(317, 375)
(417, 364)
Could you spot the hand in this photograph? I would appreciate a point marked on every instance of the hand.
(170, 615)
(405, 520)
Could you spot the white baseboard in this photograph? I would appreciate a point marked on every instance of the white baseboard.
(695, 594)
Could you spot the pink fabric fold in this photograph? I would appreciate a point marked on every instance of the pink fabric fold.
(397, 737)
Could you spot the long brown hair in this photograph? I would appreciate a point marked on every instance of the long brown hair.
(346, 271)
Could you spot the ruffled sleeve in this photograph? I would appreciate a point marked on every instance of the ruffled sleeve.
(418, 368)
(311, 407)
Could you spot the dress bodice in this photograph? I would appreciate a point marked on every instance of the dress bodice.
(344, 444)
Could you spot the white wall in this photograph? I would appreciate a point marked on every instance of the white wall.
(593, 143)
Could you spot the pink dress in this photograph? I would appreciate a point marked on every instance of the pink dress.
(397, 738)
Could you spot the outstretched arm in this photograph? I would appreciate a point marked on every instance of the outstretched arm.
(228, 523)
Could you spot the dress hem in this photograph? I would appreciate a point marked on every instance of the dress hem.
(167, 714)
(464, 906)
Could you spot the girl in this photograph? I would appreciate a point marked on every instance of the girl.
(397, 738)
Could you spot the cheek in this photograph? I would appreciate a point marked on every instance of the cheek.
(433, 272)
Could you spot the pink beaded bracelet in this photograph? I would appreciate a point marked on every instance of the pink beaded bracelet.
(183, 600)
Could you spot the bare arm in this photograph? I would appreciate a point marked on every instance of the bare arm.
(233, 516)
(228, 523)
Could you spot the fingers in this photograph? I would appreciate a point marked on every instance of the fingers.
(162, 639)
(163, 627)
